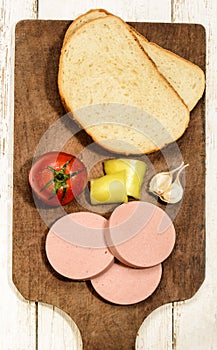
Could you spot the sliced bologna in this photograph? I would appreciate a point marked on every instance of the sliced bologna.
(140, 234)
(75, 246)
(124, 285)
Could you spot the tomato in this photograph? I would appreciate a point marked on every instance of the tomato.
(57, 178)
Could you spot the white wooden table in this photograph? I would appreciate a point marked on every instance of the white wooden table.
(190, 325)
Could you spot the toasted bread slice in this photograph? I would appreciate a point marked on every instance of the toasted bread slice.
(185, 77)
(103, 65)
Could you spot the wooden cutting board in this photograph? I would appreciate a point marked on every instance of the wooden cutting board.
(37, 107)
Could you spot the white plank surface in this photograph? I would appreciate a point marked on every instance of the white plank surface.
(129, 10)
(192, 324)
(195, 324)
(56, 330)
(17, 317)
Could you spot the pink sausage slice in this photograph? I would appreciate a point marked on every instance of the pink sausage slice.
(74, 259)
(140, 234)
(124, 285)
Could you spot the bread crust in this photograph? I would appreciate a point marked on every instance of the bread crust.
(200, 86)
(132, 33)
(80, 19)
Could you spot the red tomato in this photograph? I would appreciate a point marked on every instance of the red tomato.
(57, 178)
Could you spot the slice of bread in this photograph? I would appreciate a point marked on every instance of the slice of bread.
(134, 108)
(79, 21)
(185, 77)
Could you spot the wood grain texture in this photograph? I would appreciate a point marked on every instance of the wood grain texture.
(138, 10)
(192, 329)
(37, 52)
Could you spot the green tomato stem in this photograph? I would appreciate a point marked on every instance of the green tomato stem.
(59, 179)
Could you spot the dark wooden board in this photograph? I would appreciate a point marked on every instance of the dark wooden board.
(37, 106)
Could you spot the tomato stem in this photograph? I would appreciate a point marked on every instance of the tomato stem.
(59, 179)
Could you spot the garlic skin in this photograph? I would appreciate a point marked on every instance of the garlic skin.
(165, 188)
(162, 181)
(173, 195)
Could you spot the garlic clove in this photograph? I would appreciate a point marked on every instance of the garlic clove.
(162, 181)
(174, 194)
(159, 183)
